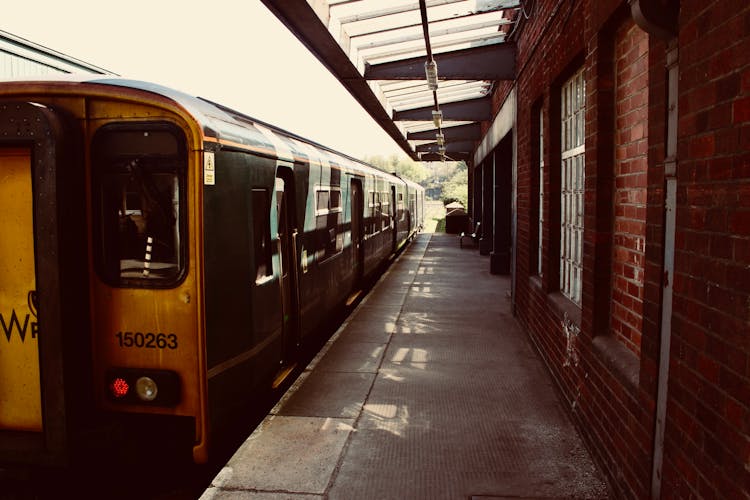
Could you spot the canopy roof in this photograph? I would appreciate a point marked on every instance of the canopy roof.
(378, 49)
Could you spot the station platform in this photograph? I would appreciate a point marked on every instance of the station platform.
(429, 390)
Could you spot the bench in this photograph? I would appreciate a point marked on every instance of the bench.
(474, 236)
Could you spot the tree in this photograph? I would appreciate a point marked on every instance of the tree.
(456, 188)
(441, 179)
(404, 167)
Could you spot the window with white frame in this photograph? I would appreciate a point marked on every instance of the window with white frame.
(541, 193)
(572, 178)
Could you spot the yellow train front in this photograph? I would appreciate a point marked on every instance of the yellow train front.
(163, 258)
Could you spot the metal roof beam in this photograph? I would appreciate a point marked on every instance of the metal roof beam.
(450, 147)
(445, 94)
(474, 110)
(471, 131)
(451, 157)
(489, 62)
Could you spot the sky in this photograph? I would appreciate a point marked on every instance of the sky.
(234, 52)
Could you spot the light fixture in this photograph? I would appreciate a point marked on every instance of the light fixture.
(430, 69)
(441, 150)
(437, 118)
(440, 139)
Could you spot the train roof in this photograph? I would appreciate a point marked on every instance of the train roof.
(220, 122)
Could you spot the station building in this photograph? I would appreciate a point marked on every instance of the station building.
(610, 172)
(21, 58)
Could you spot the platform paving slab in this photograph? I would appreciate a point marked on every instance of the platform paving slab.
(432, 392)
(289, 454)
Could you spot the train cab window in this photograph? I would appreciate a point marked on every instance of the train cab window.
(261, 218)
(138, 183)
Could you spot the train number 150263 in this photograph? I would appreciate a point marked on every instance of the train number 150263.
(147, 340)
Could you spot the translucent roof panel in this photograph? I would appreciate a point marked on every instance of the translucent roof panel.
(387, 43)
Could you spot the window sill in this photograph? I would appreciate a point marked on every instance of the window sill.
(621, 361)
(536, 282)
(562, 305)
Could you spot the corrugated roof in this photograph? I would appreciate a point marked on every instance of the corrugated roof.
(378, 50)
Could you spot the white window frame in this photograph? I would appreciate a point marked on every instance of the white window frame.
(572, 181)
(541, 194)
(330, 207)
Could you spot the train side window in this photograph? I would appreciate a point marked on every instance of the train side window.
(385, 210)
(335, 200)
(337, 209)
(328, 210)
(375, 207)
(138, 181)
(261, 218)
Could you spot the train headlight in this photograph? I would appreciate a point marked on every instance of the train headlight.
(146, 389)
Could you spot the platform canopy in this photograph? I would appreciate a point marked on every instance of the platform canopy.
(381, 51)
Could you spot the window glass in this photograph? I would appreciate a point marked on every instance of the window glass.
(385, 210)
(138, 184)
(322, 203)
(261, 218)
(572, 182)
(335, 199)
(540, 229)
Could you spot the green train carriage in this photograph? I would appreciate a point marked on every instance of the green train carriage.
(166, 256)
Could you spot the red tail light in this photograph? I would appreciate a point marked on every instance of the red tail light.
(119, 387)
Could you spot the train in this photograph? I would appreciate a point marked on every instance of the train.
(164, 257)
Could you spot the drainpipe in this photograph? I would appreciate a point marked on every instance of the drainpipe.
(660, 19)
(670, 174)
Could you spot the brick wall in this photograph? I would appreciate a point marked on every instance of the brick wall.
(558, 40)
(707, 442)
(605, 361)
(631, 162)
(605, 358)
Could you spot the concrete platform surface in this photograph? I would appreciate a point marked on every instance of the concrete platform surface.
(428, 391)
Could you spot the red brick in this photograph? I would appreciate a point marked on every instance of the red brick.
(745, 85)
(739, 222)
(708, 368)
(737, 414)
(741, 110)
(702, 147)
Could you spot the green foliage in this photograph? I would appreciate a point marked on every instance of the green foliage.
(441, 180)
(456, 188)
(402, 166)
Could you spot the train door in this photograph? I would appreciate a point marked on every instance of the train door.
(288, 267)
(43, 373)
(357, 228)
(20, 390)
